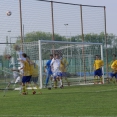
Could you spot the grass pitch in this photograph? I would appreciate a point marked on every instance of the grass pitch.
(93, 100)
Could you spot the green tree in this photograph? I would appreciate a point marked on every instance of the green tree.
(95, 38)
(35, 36)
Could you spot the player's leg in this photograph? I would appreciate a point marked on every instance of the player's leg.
(100, 75)
(47, 79)
(60, 79)
(95, 77)
(18, 81)
(115, 78)
(30, 83)
(51, 81)
(24, 85)
(55, 79)
(64, 74)
(111, 80)
(35, 80)
(51, 78)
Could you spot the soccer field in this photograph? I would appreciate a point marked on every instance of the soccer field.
(93, 100)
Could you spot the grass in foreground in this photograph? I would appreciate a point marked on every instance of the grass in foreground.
(94, 100)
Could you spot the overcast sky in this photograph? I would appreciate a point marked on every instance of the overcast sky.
(37, 17)
(111, 9)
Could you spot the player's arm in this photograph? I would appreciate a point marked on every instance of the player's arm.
(52, 62)
(22, 65)
(66, 63)
(114, 66)
(15, 70)
(62, 62)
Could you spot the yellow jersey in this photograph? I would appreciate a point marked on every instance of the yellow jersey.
(34, 69)
(26, 69)
(63, 65)
(110, 69)
(31, 69)
(98, 64)
(114, 65)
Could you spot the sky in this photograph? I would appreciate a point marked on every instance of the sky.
(111, 9)
(37, 17)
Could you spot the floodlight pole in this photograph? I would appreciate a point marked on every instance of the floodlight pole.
(20, 8)
(9, 31)
(66, 30)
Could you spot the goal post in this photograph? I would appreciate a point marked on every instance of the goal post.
(78, 71)
(102, 57)
(40, 65)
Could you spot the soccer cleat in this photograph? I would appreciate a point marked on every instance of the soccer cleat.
(61, 86)
(101, 82)
(55, 87)
(23, 93)
(34, 92)
(40, 92)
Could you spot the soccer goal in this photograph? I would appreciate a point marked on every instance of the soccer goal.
(79, 56)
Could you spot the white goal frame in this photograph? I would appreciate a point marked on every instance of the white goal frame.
(62, 42)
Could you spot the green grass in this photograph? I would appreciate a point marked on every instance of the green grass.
(94, 100)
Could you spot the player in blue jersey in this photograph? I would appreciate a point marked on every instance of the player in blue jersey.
(48, 69)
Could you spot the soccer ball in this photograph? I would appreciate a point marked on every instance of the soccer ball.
(8, 13)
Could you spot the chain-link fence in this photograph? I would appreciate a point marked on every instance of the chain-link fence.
(49, 20)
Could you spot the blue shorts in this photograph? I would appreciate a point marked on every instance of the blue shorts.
(113, 75)
(26, 79)
(64, 74)
(59, 74)
(98, 72)
(34, 79)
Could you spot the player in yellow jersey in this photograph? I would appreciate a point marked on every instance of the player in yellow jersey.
(26, 73)
(114, 69)
(34, 75)
(63, 65)
(98, 63)
(113, 73)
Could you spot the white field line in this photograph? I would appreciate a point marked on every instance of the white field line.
(98, 91)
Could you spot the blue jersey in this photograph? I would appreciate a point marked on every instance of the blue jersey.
(48, 66)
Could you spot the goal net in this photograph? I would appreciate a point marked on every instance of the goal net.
(79, 56)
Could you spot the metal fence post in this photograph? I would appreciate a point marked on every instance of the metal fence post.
(106, 41)
(83, 44)
(20, 8)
